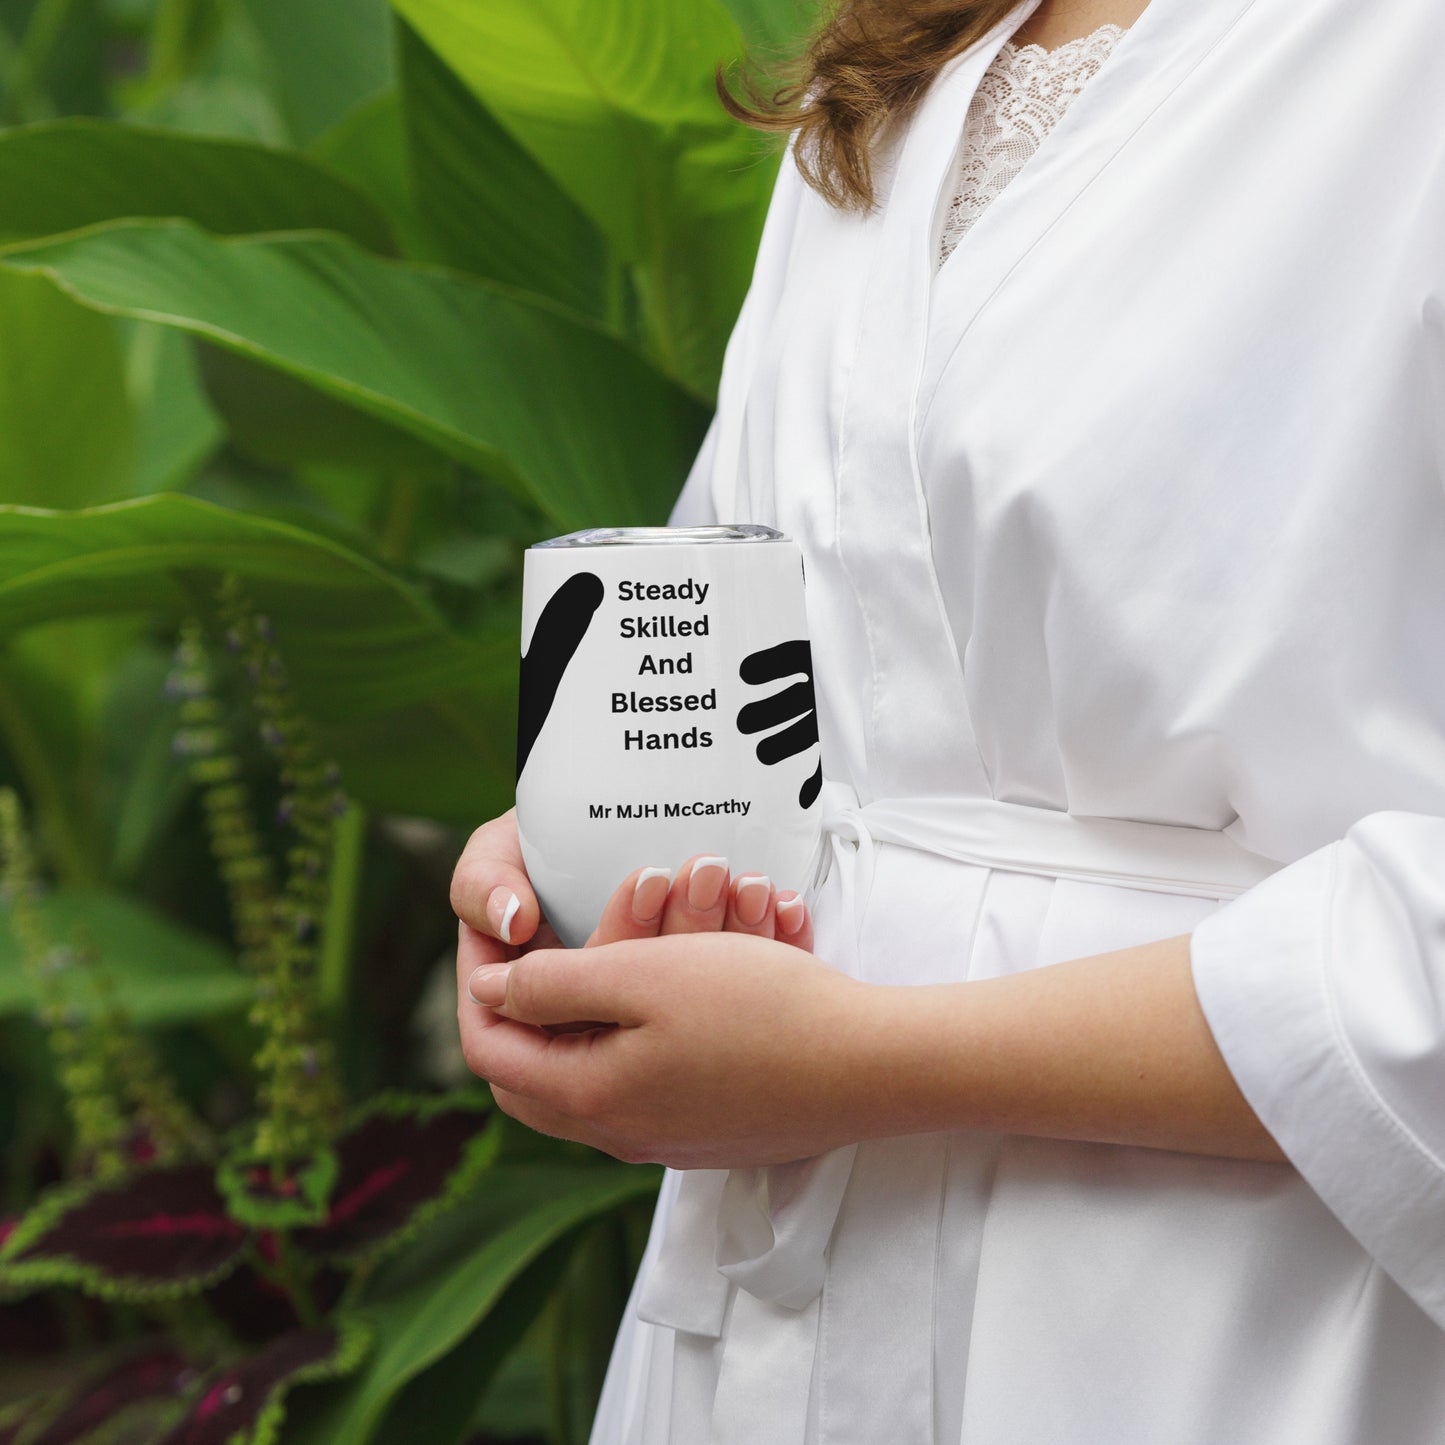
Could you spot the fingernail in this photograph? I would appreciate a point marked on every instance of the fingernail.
(790, 913)
(502, 908)
(649, 893)
(488, 984)
(705, 886)
(752, 899)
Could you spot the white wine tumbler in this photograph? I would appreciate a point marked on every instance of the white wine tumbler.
(666, 709)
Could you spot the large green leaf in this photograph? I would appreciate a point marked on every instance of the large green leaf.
(76, 173)
(368, 147)
(326, 56)
(492, 209)
(66, 429)
(617, 103)
(775, 29)
(431, 1299)
(176, 427)
(420, 718)
(275, 418)
(162, 973)
(548, 404)
(448, 1393)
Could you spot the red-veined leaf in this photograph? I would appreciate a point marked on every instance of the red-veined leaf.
(157, 1374)
(401, 1161)
(245, 1403)
(157, 1234)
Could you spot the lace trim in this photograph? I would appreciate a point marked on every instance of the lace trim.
(1020, 99)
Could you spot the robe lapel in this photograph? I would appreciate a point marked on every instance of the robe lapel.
(915, 695)
(912, 323)
(1164, 46)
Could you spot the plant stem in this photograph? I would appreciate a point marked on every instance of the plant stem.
(615, 296)
(400, 521)
(288, 1276)
(339, 926)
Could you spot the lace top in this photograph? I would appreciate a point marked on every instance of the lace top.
(1019, 100)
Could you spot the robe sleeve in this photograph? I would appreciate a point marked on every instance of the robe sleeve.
(694, 506)
(710, 494)
(1324, 987)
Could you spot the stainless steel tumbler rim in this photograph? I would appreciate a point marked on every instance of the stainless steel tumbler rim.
(664, 536)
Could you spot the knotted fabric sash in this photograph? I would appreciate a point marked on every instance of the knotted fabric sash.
(767, 1230)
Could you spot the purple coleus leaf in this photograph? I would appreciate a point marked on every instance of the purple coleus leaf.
(160, 1374)
(243, 1404)
(401, 1161)
(157, 1234)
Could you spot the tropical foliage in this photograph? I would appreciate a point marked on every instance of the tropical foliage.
(313, 314)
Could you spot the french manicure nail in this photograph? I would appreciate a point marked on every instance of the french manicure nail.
(705, 886)
(488, 984)
(790, 913)
(649, 893)
(502, 908)
(752, 899)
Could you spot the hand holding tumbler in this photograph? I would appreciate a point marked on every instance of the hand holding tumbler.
(666, 709)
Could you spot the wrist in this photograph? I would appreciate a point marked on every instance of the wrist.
(903, 1067)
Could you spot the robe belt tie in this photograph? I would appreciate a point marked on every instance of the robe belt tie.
(767, 1230)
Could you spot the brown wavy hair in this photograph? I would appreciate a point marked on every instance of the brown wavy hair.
(865, 68)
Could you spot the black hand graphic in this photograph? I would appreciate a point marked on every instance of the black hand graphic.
(796, 705)
(557, 636)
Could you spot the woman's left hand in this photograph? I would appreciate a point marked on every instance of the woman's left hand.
(709, 1050)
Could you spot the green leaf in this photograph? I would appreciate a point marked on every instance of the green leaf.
(53, 62)
(448, 1393)
(143, 783)
(617, 103)
(210, 75)
(368, 147)
(176, 427)
(519, 389)
(163, 973)
(274, 418)
(775, 28)
(493, 210)
(54, 687)
(429, 1299)
(326, 56)
(75, 173)
(420, 718)
(182, 35)
(66, 430)
(81, 716)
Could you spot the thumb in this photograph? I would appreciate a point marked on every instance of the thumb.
(554, 986)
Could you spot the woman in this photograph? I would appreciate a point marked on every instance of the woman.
(1118, 1114)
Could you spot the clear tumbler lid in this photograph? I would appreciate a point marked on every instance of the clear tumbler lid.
(664, 536)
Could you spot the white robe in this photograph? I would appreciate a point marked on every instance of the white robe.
(1135, 510)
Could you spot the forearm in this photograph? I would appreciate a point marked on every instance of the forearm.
(1113, 1048)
